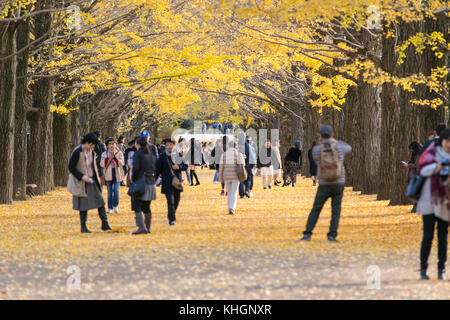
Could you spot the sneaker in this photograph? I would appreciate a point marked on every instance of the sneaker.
(109, 211)
(306, 237)
(116, 209)
(293, 185)
(231, 211)
(265, 188)
(222, 193)
(197, 184)
(270, 187)
(171, 223)
(332, 239)
(276, 183)
(250, 195)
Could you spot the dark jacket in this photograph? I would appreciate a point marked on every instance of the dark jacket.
(100, 147)
(294, 155)
(144, 164)
(164, 168)
(73, 162)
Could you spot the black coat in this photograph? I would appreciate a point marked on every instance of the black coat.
(164, 168)
(144, 164)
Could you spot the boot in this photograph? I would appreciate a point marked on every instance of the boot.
(83, 220)
(104, 218)
(148, 221)
(423, 274)
(140, 223)
(441, 274)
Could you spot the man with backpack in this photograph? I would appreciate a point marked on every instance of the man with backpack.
(329, 156)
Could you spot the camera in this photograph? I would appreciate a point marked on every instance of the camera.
(445, 172)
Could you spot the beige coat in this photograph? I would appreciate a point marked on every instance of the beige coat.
(228, 165)
(118, 166)
(76, 187)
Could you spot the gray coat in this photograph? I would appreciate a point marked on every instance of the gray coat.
(342, 148)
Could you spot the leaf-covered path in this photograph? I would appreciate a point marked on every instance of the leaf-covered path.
(211, 255)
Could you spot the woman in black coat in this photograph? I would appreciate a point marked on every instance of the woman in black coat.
(144, 163)
(84, 182)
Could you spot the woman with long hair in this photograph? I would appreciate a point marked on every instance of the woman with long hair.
(144, 163)
(112, 163)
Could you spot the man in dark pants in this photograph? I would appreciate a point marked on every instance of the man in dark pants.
(168, 166)
(245, 187)
(328, 189)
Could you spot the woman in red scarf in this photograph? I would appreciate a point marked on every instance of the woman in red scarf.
(433, 204)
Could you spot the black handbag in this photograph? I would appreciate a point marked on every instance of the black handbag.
(415, 187)
(137, 188)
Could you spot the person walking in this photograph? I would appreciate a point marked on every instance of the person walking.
(292, 164)
(181, 148)
(168, 169)
(195, 158)
(312, 164)
(112, 162)
(84, 182)
(276, 163)
(129, 155)
(329, 155)
(123, 148)
(228, 175)
(433, 204)
(100, 147)
(266, 165)
(144, 164)
(245, 187)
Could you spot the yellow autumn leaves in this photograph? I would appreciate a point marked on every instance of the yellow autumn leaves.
(46, 228)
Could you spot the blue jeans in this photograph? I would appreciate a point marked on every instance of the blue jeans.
(113, 193)
(216, 176)
(247, 185)
(188, 175)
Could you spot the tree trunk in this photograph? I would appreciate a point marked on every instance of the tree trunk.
(390, 117)
(20, 135)
(7, 105)
(61, 148)
(409, 117)
(40, 169)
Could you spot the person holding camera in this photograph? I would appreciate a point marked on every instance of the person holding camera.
(433, 204)
(113, 161)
